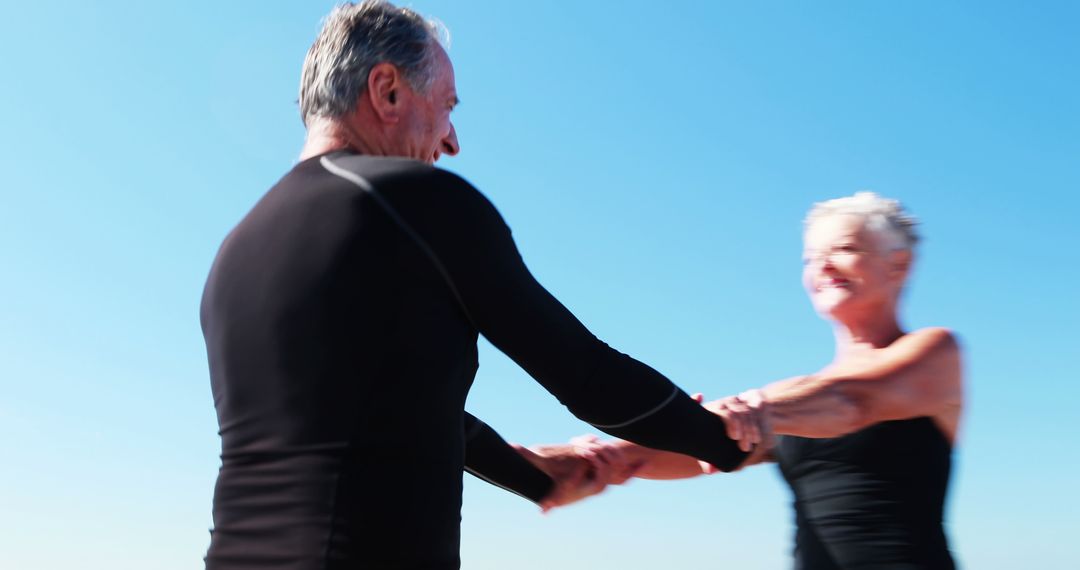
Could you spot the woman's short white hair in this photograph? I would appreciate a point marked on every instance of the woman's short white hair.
(885, 217)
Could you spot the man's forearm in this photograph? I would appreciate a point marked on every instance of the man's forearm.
(489, 457)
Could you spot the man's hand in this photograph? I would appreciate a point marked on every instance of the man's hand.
(575, 477)
(746, 419)
(743, 421)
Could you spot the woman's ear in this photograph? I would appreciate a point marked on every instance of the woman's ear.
(900, 264)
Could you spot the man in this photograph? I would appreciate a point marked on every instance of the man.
(341, 318)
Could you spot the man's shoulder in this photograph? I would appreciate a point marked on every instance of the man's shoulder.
(414, 187)
(384, 172)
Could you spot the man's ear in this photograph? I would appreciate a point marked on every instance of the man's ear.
(383, 91)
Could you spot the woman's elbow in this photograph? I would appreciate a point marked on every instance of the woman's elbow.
(852, 412)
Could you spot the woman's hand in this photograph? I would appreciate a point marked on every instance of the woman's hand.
(744, 422)
(617, 464)
(575, 477)
(746, 419)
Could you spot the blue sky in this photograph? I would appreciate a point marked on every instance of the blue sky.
(654, 161)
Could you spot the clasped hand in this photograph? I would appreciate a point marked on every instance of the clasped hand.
(746, 419)
(580, 469)
(587, 465)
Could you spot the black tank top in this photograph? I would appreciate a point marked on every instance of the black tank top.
(870, 499)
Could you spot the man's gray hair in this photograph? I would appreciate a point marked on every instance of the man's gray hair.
(886, 218)
(356, 37)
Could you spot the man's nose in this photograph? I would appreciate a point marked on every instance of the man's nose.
(450, 144)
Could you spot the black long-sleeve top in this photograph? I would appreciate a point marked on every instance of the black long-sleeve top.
(341, 318)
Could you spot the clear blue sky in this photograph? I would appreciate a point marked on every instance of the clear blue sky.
(654, 161)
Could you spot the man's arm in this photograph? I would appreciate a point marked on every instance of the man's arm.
(489, 457)
(625, 459)
(472, 248)
(545, 475)
(919, 375)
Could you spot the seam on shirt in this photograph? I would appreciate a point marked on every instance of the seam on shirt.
(366, 186)
(479, 475)
(370, 189)
(636, 419)
(333, 512)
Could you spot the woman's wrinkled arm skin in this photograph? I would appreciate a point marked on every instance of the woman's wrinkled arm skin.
(919, 375)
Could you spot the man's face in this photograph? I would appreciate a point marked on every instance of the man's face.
(426, 131)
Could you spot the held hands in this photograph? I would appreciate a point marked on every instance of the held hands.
(575, 477)
(747, 423)
(580, 469)
(613, 461)
(587, 465)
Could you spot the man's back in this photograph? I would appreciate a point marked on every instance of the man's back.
(340, 362)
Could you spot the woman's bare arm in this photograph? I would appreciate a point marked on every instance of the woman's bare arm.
(647, 463)
(919, 375)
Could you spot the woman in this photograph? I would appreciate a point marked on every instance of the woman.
(865, 443)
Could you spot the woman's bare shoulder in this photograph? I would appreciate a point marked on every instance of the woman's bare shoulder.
(931, 340)
(939, 351)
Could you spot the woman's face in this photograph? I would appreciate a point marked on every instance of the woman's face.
(847, 272)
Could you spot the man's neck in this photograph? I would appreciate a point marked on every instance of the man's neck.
(323, 136)
(327, 135)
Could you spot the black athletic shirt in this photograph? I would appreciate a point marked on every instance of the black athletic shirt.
(872, 499)
(341, 318)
